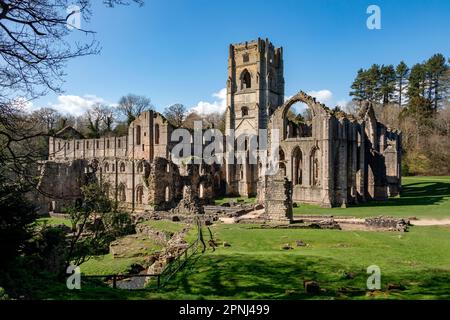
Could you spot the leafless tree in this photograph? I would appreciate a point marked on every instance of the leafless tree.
(34, 50)
(176, 114)
(131, 105)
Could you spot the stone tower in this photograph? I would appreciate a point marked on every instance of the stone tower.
(255, 88)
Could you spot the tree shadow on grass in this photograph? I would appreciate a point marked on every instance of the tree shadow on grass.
(415, 194)
(250, 277)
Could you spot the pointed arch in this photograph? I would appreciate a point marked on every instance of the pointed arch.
(246, 79)
(297, 166)
(314, 167)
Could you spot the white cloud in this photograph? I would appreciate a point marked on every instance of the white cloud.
(75, 105)
(218, 105)
(323, 96)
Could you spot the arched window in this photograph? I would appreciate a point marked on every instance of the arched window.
(245, 58)
(140, 167)
(107, 144)
(297, 167)
(118, 143)
(122, 167)
(156, 133)
(201, 191)
(106, 167)
(167, 194)
(139, 194)
(138, 135)
(246, 80)
(244, 111)
(122, 193)
(314, 167)
(281, 159)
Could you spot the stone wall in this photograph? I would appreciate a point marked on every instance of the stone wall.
(278, 198)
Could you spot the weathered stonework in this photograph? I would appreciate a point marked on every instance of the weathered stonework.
(333, 159)
(278, 198)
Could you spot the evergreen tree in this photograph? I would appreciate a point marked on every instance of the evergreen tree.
(401, 72)
(359, 87)
(436, 69)
(373, 77)
(387, 83)
(417, 81)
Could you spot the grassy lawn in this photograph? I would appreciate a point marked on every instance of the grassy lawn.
(221, 200)
(165, 225)
(255, 266)
(422, 197)
(55, 221)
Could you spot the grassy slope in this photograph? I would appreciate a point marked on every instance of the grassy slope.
(422, 197)
(255, 267)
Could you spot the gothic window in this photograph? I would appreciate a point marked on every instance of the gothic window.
(282, 165)
(97, 144)
(139, 194)
(314, 167)
(107, 144)
(87, 144)
(122, 193)
(118, 143)
(246, 80)
(245, 58)
(297, 167)
(244, 111)
(201, 191)
(122, 167)
(167, 194)
(156, 133)
(138, 135)
(78, 145)
(106, 167)
(68, 145)
(140, 167)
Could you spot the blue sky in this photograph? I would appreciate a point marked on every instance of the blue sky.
(175, 51)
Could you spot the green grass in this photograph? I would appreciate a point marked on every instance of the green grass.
(54, 221)
(421, 197)
(165, 225)
(107, 264)
(255, 266)
(247, 200)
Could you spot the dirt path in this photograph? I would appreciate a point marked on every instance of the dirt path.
(431, 222)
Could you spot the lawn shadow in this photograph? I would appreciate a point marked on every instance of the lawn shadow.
(415, 194)
(249, 277)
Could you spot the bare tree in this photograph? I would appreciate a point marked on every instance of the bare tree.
(33, 53)
(131, 105)
(49, 119)
(175, 114)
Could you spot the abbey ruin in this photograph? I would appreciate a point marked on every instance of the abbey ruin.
(329, 159)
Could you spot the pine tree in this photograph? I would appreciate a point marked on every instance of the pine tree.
(401, 72)
(373, 76)
(436, 69)
(359, 87)
(417, 81)
(387, 83)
